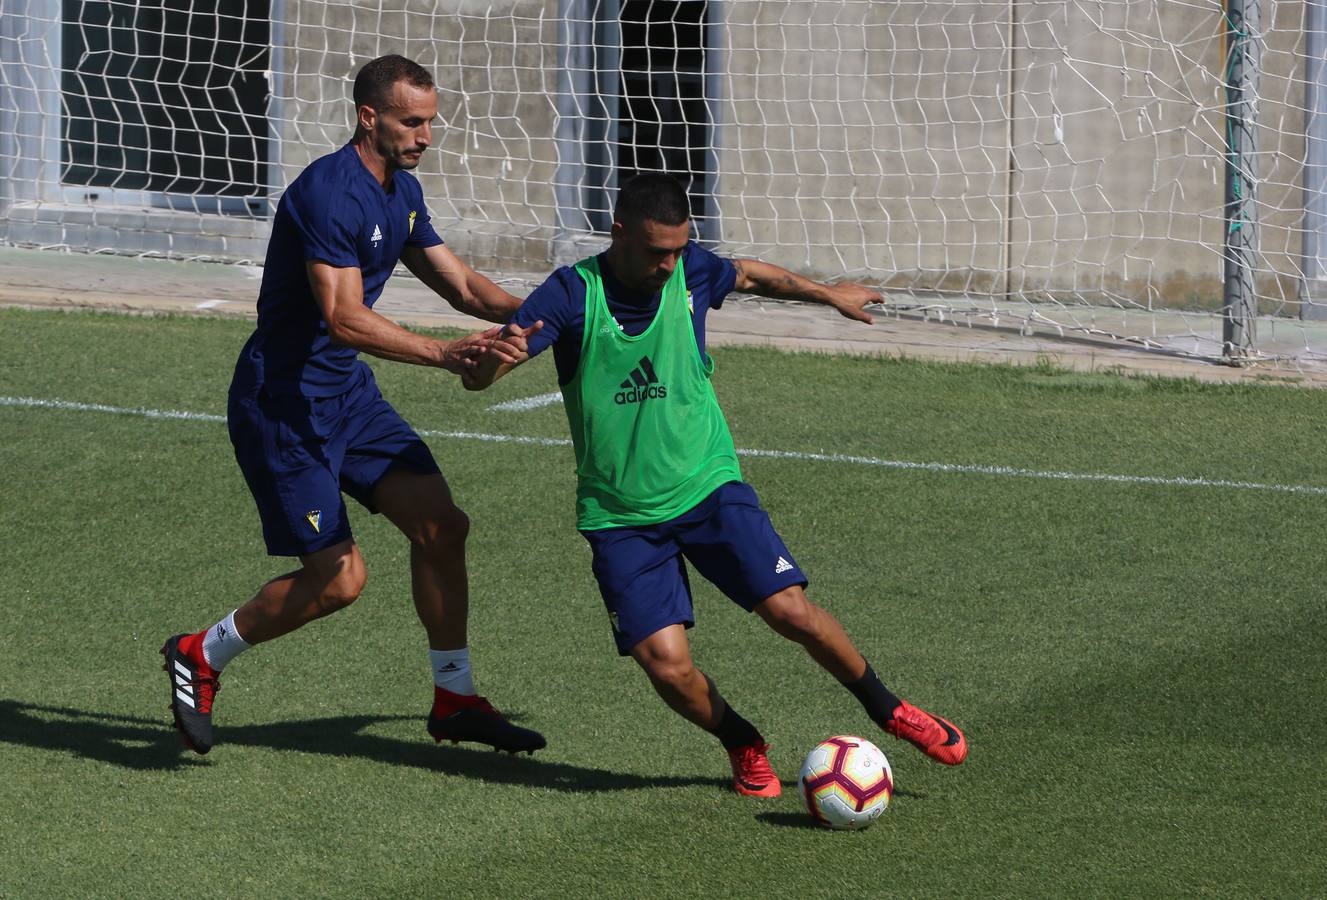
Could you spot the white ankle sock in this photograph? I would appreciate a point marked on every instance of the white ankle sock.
(451, 670)
(222, 643)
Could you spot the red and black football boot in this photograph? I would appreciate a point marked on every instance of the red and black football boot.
(466, 717)
(193, 688)
(930, 734)
(752, 774)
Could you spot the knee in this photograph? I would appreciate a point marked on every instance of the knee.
(668, 670)
(444, 533)
(675, 674)
(344, 586)
(791, 615)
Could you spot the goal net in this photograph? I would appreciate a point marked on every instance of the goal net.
(1041, 166)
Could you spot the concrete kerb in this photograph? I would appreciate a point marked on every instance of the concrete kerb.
(43, 279)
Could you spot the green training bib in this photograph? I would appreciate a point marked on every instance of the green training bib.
(650, 439)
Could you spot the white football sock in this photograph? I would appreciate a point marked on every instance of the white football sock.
(451, 670)
(222, 643)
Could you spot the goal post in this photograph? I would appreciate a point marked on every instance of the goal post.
(1243, 58)
(1024, 164)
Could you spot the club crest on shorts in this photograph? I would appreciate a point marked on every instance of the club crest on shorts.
(411, 229)
(315, 517)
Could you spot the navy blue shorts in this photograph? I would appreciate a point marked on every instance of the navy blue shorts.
(299, 453)
(727, 537)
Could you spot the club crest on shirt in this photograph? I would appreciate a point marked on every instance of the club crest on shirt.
(315, 517)
(411, 229)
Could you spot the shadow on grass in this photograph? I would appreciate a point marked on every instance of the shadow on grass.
(797, 820)
(148, 744)
(789, 820)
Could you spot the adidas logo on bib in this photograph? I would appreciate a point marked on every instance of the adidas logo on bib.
(641, 385)
(782, 566)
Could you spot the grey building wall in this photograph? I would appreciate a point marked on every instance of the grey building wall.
(489, 177)
(1052, 150)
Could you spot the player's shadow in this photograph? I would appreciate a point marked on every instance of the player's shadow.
(801, 820)
(147, 744)
(789, 820)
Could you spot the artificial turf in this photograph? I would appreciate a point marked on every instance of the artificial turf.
(1137, 665)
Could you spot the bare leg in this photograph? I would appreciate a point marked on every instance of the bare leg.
(666, 658)
(328, 580)
(792, 615)
(421, 506)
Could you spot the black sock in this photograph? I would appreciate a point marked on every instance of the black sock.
(733, 731)
(875, 698)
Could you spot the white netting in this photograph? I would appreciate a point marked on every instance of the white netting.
(1026, 164)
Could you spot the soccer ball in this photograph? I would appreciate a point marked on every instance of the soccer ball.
(846, 783)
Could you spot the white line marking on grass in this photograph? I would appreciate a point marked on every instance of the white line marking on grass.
(1011, 471)
(209, 304)
(494, 438)
(1003, 471)
(114, 410)
(527, 403)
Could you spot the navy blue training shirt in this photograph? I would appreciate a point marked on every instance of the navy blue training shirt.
(560, 302)
(335, 211)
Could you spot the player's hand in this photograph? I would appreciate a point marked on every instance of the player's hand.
(511, 345)
(464, 354)
(850, 299)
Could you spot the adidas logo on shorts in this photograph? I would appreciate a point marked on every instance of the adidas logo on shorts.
(782, 566)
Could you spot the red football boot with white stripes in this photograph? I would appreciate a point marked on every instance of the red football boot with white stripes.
(193, 688)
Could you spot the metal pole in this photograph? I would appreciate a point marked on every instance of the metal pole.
(575, 112)
(1313, 291)
(716, 94)
(1243, 58)
(1011, 161)
(588, 54)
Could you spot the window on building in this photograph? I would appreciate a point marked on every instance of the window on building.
(635, 94)
(663, 122)
(168, 97)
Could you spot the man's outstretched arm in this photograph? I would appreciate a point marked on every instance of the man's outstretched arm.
(465, 289)
(339, 292)
(768, 280)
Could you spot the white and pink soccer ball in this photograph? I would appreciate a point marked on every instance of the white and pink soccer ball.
(846, 783)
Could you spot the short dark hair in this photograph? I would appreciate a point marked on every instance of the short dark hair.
(654, 196)
(373, 83)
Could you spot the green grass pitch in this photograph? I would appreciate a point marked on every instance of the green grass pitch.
(1138, 666)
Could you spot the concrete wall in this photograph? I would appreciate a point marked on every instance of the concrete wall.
(891, 113)
(1103, 176)
(1125, 197)
(488, 179)
(1055, 150)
